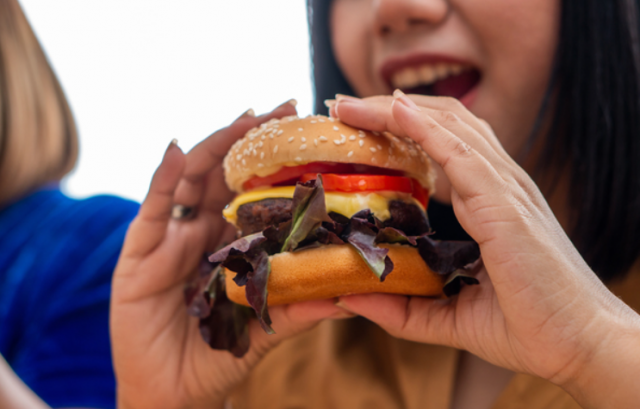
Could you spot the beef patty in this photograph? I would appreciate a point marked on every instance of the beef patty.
(254, 217)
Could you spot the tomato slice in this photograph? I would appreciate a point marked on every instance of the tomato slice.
(289, 175)
(370, 183)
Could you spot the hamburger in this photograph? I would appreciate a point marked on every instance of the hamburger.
(323, 210)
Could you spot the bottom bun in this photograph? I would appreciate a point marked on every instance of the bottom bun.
(335, 270)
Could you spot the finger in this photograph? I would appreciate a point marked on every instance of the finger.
(412, 318)
(209, 153)
(470, 173)
(149, 227)
(375, 114)
(448, 104)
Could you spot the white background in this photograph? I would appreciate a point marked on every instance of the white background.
(139, 73)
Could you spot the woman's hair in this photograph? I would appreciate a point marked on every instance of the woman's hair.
(38, 140)
(593, 105)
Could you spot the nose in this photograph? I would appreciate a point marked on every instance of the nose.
(396, 16)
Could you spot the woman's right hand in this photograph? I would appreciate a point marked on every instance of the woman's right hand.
(160, 358)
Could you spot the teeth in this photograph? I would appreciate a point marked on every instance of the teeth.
(425, 74)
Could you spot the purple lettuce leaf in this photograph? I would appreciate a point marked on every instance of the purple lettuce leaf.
(249, 260)
(445, 257)
(361, 236)
(309, 211)
(195, 292)
(456, 281)
(256, 286)
(242, 245)
(226, 327)
(391, 235)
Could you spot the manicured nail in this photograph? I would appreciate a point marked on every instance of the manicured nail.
(249, 112)
(404, 100)
(342, 97)
(341, 305)
(174, 141)
(341, 315)
(329, 103)
(292, 102)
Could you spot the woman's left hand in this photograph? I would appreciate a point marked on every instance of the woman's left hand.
(539, 309)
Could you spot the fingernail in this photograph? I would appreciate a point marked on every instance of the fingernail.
(342, 97)
(173, 144)
(343, 315)
(249, 112)
(341, 305)
(329, 103)
(405, 100)
(292, 102)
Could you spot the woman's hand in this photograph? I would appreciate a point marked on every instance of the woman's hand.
(160, 358)
(539, 309)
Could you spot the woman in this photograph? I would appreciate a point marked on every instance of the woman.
(559, 84)
(58, 253)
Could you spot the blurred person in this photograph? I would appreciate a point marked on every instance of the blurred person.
(559, 82)
(58, 253)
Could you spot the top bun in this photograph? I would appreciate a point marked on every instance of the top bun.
(293, 141)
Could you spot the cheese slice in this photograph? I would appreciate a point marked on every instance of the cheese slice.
(346, 204)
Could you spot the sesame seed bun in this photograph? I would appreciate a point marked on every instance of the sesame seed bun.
(293, 141)
(334, 270)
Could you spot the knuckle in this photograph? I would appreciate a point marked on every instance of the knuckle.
(451, 103)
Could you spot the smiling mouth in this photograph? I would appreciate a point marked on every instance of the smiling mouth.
(439, 79)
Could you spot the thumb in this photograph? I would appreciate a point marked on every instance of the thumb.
(412, 318)
(292, 319)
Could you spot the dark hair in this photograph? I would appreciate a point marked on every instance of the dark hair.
(593, 103)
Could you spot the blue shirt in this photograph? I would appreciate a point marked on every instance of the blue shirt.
(57, 257)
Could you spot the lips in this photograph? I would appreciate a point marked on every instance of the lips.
(429, 75)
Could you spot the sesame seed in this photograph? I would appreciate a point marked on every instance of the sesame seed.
(238, 157)
(372, 149)
(350, 154)
(260, 165)
(362, 135)
(344, 138)
(323, 139)
(361, 142)
(303, 139)
(303, 146)
(373, 159)
(337, 141)
(313, 122)
(263, 137)
(352, 138)
(335, 128)
(261, 155)
(331, 119)
(280, 132)
(379, 147)
(260, 144)
(298, 159)
(300, 129)
(270, 136)
(275, 149)
(321, 120)
(244, 162)
(291, 138)
(315, 142)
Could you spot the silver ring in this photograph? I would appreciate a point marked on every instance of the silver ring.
(180, 212)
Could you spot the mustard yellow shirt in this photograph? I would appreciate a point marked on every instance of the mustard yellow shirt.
(354, 364)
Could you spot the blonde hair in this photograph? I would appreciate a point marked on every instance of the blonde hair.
(38, 137)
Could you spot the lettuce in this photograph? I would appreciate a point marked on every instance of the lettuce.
(224, 325)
